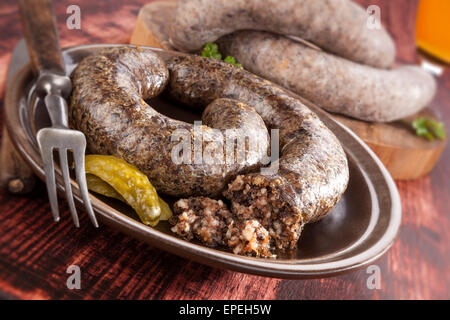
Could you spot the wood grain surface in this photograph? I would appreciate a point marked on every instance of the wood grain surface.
(405, 155)
(35, 252)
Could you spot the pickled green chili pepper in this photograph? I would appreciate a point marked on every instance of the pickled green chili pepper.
(128, 182)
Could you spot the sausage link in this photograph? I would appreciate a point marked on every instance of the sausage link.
(333, 83)
(313, 171)
(107, 104)
(338, 26)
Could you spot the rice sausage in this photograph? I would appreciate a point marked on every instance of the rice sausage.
(338, 26)
(335, 84)
(108, 106)
(311, 173)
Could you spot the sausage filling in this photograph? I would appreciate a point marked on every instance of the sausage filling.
(213, 224)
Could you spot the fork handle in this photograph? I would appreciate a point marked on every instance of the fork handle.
(41, 35)
(57, 110)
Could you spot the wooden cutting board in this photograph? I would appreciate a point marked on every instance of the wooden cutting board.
(404, 154)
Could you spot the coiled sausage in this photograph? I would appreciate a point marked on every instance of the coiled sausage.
(335, 84)
(338, 26)
(311, 173)
(299, 187)
(108, 106)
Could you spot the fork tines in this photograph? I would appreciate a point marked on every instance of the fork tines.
(62, 140)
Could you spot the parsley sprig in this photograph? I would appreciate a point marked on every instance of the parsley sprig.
(429, 128)
(232, 60)
(211, 50)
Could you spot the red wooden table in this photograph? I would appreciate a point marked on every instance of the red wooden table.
(35, 252)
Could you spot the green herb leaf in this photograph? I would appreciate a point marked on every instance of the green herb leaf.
(232, 60)
(437, 128)
(211, 50)
(429, 128)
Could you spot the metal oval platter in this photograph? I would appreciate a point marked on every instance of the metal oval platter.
(359, 229)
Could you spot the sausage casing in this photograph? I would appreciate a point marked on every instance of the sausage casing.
(333, 83)
(312, 171)
(300, 186)
(108, 106)
(338, 26)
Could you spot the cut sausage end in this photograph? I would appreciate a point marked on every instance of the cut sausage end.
(210, 221)
(261, 221)
(202, 218)
(264, 199)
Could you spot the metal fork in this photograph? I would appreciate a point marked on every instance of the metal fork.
(54, 86)
(60, 137)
